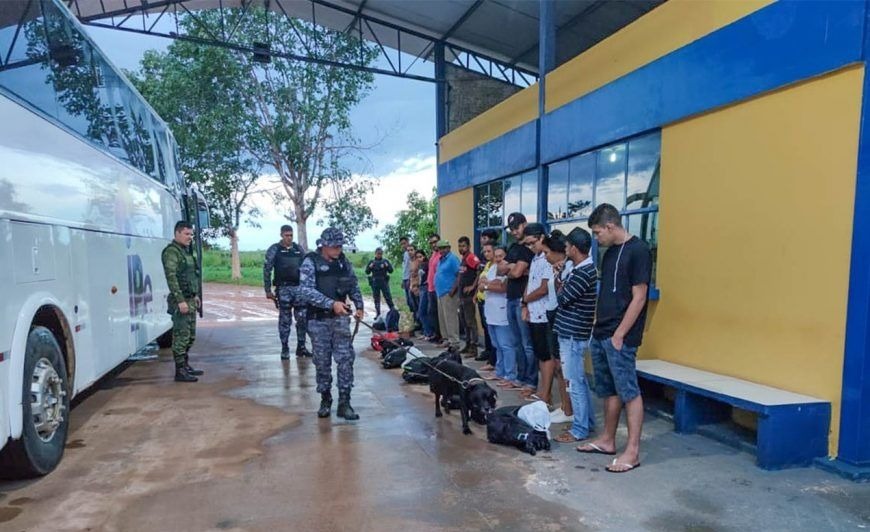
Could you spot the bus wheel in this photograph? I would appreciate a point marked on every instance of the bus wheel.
(164, 341)
(46, 410)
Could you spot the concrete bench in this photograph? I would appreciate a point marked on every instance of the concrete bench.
(792, 428)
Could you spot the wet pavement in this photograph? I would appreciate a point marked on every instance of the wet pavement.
(244, 450)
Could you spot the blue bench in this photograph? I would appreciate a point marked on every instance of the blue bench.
(792, 428)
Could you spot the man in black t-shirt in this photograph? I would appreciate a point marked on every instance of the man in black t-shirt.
(516, 268)
(620, 316)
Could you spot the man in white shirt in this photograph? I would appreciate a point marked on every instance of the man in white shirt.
(538, 301)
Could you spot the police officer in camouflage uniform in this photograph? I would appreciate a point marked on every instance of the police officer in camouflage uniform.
(182, 277)
(327, 281)
(284, 258)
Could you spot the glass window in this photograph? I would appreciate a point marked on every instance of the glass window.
(27, 71)
(610, 182)
(496, 204)
(582, 175)
(557, 190)
(511, 197)
(645, 227)
(481, 205)
(643, 162)
(529, 203)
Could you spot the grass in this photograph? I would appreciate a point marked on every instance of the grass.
(216, 269)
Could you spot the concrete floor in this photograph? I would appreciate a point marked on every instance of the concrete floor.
(244, 450)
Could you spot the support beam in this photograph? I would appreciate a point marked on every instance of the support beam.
(440, 93)
(546, 63)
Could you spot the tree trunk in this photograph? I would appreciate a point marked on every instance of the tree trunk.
(235, 260)
(301, 226)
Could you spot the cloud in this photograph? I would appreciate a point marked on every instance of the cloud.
(416, 173)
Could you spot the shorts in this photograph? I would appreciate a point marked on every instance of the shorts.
(615, 371)
(541, 340)
(554, 342)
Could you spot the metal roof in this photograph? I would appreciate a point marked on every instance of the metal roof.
(505, 30)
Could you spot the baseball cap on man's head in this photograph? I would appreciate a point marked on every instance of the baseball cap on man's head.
(442, 244)
(515, 219)
(534, 229)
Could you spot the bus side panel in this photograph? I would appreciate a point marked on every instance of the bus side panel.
(6, 326)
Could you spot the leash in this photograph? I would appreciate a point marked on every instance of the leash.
(462, 384)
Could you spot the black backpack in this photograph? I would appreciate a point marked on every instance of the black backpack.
(416, 371)
(504, 427)
(394, 358)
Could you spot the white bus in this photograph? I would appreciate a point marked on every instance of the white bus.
(89, 195)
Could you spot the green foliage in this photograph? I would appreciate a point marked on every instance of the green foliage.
(289, 116)
(418, 221)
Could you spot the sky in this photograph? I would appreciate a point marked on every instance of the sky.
(397, 119)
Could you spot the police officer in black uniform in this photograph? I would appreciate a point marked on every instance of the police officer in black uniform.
(378, 270)
(284, 259)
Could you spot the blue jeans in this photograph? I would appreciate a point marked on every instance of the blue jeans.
(423, 312)
(505, 351)
(573, 368)
(527, 364)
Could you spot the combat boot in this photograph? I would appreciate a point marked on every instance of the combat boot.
(344, 408)
(302, 352)
(285, 352)
(192, 371)
(182, 375)
(325, 404)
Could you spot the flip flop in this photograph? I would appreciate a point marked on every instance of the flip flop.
(489, 378)
(628, 467)
(594, 450)
(532, 397)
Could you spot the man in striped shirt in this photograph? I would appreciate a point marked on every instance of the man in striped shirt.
(573, 327)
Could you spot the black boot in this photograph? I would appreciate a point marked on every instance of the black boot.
(192, 371)
(285, 352)
(302, 352)
(182, 375)
(344, 408)
(325, 404)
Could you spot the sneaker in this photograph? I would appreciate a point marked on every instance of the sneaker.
(558, 416)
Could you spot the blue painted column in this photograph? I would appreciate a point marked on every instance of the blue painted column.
(854, 446)
(546, 63)
(440, 92)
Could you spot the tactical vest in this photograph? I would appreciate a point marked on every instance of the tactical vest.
(334, 279)
(186, 274)
(287, 262)
(379, 270)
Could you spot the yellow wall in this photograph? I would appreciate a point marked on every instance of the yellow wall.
(455, 216)
(755, 238)
(510, 114)
(666, 28)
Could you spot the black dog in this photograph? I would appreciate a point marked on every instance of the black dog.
(476, 398)
(417, 371)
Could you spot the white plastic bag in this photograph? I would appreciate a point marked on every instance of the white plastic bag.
(413, 353)
(537, 415)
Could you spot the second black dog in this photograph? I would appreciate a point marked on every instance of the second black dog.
(476, 398)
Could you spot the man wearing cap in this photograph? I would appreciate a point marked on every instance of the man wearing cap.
(516, 268)
(284, 258)
(446, 288)
(326, 282)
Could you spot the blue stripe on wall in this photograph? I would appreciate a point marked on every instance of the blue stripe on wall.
(854, 444)
(509, 154)
(783, 43)
(780, 44)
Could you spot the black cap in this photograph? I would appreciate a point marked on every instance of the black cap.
(534, 229)
(515, 219)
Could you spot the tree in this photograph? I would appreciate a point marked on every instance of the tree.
(296, 117)
(197, 90)
(417, 222)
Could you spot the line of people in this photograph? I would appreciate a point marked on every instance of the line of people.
(542, 305)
